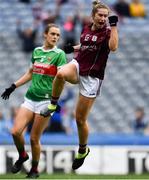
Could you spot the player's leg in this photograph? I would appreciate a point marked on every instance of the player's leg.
(84, 105)
(89, 88)
(39, 125)
(23, 117)
(67, 73)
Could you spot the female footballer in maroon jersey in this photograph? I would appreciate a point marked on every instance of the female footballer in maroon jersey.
(87, 69)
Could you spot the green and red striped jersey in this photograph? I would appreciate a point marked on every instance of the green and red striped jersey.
(45, 64)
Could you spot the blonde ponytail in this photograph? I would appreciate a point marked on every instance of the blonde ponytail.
(94, 3)
(97, 5)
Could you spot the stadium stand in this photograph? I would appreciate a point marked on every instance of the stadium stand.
(126, 81)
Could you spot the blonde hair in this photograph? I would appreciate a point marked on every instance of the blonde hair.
(98, 5)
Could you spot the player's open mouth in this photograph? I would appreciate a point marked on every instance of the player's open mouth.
(101, 23)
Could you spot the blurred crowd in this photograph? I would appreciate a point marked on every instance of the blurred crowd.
(139, 124)
(41, 17)
(133, 9)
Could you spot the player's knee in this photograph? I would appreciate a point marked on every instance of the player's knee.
(60, 75)
(34, 141)
(15, 132)
(80, 120)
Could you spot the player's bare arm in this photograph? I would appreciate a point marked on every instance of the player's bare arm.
(25, 78)
(113, 41)
(77, 47)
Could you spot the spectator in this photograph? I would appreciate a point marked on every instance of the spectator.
(137, 9)
(48, 17)
(69, 30)
(37, 11)
(45, 16)
(122, 8)
(85, 20)
(25, 1)
(61, 2)
(139, 124)
(28, 37)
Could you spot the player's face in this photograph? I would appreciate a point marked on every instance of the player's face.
(52, 36)
(100, 17)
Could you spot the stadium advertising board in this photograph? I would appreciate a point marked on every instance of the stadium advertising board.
(102, 159)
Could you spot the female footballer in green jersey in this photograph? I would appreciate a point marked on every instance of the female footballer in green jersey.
(44, 64)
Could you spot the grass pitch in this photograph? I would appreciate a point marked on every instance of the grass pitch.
(76, 176)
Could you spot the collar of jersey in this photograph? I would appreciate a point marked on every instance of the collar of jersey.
(48, 50)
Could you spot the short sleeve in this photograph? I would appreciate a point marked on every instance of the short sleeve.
(61, 59)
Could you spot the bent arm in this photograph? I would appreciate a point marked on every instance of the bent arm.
(25, 78)
(113, 41)
(77, 47)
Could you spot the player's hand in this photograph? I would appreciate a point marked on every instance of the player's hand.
(68, 49)
(113, 19)
(8, 91)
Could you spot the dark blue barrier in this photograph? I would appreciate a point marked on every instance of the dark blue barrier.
(94, 139)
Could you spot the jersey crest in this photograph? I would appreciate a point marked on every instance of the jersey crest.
(94, 38)
(49, 58)
(87, 37)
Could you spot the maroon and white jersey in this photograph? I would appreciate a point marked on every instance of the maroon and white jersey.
(93, 43)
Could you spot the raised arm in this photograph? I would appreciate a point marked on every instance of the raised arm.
(113, 41)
